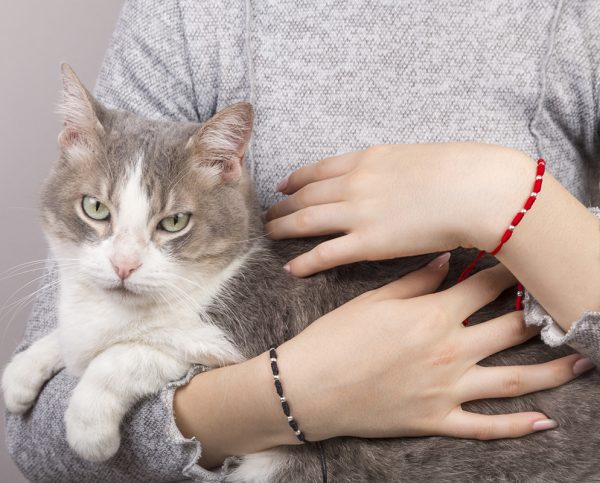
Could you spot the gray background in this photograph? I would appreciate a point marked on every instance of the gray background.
(35, 37)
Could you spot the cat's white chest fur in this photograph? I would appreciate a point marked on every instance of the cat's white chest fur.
(90, 322)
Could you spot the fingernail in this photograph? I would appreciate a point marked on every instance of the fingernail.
(440, 261)
(544, 424)
(582, 365)
(287, 268)
(283, 184)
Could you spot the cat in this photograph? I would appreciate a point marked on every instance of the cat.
(164, 264)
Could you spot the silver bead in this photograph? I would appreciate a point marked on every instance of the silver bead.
(273, 359)
(539, 177)
(534, 194)
(276, 377)
(282, 399)
(297, 432)
(519, 293)
(523, 211)
(290, 419)
(511, 227)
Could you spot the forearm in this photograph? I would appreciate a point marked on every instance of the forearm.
(555, 250)
(232, 410)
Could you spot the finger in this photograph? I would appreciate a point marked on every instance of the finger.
(324, 169)
(312, 221)
(318, 193)
(463, 424)
(498, 334)
(511, 381)
(464, 298)
(420, 282)
(331, 253)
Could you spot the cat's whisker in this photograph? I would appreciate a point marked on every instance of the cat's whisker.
(51, 270)
(44, 287)
(251, 239)
(165, 300)
(28, 263)
(25, 271)
(21, 288)
(14, 312)
(25, 265)
(20, 304)
(30, 270)
(43, 262)
(186, 299)
(191, 303)
(216, 301)
(174, 298)
(188, 280)
(199, 308)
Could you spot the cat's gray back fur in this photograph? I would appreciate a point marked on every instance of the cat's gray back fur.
(265, 306)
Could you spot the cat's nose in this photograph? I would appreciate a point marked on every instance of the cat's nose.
(124, 268)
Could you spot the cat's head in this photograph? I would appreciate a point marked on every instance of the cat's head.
(147, 209)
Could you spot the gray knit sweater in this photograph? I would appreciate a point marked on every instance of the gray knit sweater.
(326, 77)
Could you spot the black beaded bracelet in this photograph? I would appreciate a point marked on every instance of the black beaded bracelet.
(284, 404)
(286, 410)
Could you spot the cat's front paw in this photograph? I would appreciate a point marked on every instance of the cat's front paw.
(21, 383)
(93, 437)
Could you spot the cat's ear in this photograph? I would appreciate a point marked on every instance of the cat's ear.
(222, 141)
(82, 128)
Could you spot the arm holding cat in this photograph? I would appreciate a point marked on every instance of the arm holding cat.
(401, 200)
(417, 354)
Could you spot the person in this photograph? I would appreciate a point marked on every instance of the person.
(381, 93)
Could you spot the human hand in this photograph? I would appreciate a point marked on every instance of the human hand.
(397, 362)
(399, 200)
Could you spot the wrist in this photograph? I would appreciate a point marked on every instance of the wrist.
(501, 186)
(311, 399)
(232, 410)
(275, 429)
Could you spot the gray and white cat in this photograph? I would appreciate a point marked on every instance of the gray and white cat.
(163, 265)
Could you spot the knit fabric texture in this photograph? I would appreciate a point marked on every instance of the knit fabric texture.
(327, 77)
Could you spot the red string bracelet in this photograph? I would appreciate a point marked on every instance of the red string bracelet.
(537, 187)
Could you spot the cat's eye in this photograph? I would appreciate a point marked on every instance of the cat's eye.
(175, 223)
(94, 208)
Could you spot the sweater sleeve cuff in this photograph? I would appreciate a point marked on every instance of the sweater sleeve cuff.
(584, 334)
(192, 448)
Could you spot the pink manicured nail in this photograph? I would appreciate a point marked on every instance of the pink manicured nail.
(283, 184)
(544, 424)
(582, 365)
(287, 268)
(439, 262)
